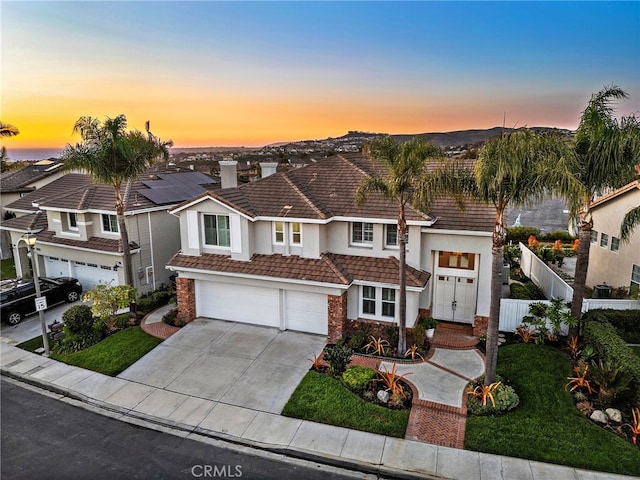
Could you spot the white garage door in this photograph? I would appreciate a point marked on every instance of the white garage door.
(306, 312)
(89, 274)
(256, 305)
(56, 267)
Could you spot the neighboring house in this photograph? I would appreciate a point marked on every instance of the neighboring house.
(292, 251)
(77, 228)
(17, 183)
(611, 261)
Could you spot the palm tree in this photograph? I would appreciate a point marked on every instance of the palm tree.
(6, 130)
(405, 169)
(606, 150)
(516, 168)
(630, 221)
(114, 156)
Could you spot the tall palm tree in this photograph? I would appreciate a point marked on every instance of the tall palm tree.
(630, 221)
(114, 156)
(405, 169)
(6, 130)
(606, 150)
(516, 168)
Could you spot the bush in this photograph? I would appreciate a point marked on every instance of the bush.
(75, 343)
(526, 291)
(149, 302)
(626, 322)
(521, 234)
(505, 397)
(338, 357)
(78, 320)
(561, 235)
(357, 378)
(609, 347)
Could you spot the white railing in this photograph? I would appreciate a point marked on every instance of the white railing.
(539, 272)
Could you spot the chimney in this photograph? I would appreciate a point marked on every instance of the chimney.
(268, 168)
(228, 173)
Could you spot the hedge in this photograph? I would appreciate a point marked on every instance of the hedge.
(626, 322)
(526, 291)
(609, 347)
(521, 234)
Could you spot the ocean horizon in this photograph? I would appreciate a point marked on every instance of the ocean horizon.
(22, 154)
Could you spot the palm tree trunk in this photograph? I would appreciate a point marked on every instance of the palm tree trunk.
(497, 261)
(582, 265)
(402, 319)
(124, 239)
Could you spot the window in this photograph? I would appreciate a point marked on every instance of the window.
(465, 261)
(391, 235)
(615, 244)
(594, 236)
(72, 218)
(369, 300)
(216, 231)
(604, 240)
(296, 233)
(635, 279)
(361, 233)
(109, 223)
(378, 302)
(278, 232)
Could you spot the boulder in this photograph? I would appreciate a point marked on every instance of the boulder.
(599, 416)
(383, 396)
(614, 414)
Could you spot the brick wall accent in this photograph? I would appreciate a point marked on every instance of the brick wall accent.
(480, 325)
(186, 293)
(337, 317)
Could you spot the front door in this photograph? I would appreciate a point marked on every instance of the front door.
(455, 298)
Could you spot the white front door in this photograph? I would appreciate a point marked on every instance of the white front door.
(455, 298)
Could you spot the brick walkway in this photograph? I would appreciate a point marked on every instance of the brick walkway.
(432, 422)
(157, 328)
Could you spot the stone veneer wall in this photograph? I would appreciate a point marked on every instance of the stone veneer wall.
(186, 293)
(480, 325)
(337, 317)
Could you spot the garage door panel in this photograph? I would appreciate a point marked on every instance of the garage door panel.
(306, 312)
(238, 303)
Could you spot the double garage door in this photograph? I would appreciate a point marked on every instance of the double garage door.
(287, 309)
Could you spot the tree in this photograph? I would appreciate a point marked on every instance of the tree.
(630, 221)
(108, 300)
(114, 156)
(405, 169)
(6, 130)
(515, 168)
(606, 150)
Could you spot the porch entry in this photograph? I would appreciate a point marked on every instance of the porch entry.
(455, 287)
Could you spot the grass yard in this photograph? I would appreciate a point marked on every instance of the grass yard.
(321, 398)
(7, 268)
(111, 356)
(546, 426)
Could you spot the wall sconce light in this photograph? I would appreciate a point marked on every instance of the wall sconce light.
(117, 266)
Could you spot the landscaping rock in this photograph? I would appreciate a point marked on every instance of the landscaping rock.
(599, 416)
(383, 396)
(614, 414)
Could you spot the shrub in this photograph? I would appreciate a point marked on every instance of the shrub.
(359, 338)
(612, 380)
(504, 397)
(561, 235)
(78, 320)
(609, 347)
(149, 302)
(521, 234)
(357, 378)
(419, 333)
(526, 291)
(626, 322)
(338, 357)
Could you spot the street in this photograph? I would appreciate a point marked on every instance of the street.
(43, 437)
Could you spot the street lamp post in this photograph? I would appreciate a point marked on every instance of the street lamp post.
(30, 239)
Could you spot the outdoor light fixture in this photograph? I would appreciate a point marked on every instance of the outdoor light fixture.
(117, 266)
(41, 302)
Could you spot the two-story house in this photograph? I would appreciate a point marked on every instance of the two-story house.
(293, 251)
(612, 261)
(77, 229)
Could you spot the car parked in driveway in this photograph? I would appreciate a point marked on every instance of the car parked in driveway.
(18, 296)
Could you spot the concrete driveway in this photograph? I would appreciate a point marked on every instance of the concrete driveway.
(232, 363)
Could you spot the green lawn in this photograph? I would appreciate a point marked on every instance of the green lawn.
(321, 398)
(111, 356)
(7, 269)
(546, 426)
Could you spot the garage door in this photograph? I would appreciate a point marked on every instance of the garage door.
(89, 274)
(256, 305)
(56, 267)
(306, 312)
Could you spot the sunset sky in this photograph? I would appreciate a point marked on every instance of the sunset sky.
(253, 73)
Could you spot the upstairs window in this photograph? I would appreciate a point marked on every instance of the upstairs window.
(362, 233)
(72, 218)
(594, 236)
(615, 244)
(391, 235)
(109, 223)
(604, 240)
(461, 260)
(635, 279)
(296, 233)
(216, 231)
(278, 233)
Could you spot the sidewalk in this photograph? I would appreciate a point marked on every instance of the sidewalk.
(194, 417)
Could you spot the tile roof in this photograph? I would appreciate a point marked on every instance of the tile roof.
(32, 222)
(615, 193)
(329, 268)
(17, 181)
(475, 216)
(76, 191)
(94, 243)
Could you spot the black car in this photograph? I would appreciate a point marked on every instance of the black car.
(18, 296)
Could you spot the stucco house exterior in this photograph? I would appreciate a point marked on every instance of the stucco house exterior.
(77, 229)
(611, 261)
(292, 251)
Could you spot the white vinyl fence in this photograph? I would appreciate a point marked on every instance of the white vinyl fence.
(512, 310)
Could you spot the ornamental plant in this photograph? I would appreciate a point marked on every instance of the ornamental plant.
(378, 346)
(635, 426)
(391, 381)
(484, 392)
(580, 380)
